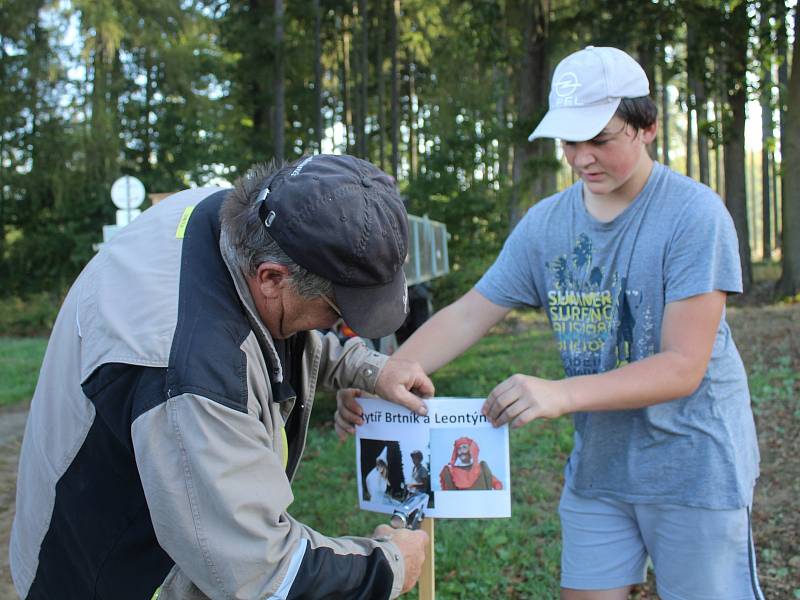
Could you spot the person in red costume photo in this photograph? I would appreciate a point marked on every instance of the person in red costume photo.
(465, 472)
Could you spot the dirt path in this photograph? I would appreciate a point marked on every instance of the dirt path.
(12, 424)
(766, 336)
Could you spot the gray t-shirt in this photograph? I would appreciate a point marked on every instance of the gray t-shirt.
(604, 287)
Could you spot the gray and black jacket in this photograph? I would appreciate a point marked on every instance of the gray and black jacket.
(154, 445)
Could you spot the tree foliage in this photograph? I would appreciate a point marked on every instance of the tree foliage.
(440, 92)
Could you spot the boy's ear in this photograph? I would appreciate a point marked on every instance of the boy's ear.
(649, 133)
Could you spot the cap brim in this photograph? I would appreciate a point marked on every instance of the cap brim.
(374, 312)
(575, 123)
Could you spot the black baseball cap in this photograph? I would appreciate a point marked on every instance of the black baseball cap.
(342, 218)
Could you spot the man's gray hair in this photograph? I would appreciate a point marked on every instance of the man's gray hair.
(248, 239)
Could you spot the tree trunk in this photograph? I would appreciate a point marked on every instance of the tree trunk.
(782, 47)
(664, 116)
(689, 134)
(395, 93)
(776, 211)
(646, 55)
(412, 117)
(363, 149)
(381, 99)
(789, 283)
(279, 89)
(147, 131)
(691, 75)
(348, 111)
(733, 132)
(501, 85)
(752, 202)
(318, 124)
(702, 138)
(355, 78)
(533, 170)
(719, 66)
(766, 159)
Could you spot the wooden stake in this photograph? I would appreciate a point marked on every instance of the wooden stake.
(427, 579)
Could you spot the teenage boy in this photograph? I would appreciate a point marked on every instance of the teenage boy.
(632, 264)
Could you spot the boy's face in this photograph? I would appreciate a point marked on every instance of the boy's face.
(614, 164)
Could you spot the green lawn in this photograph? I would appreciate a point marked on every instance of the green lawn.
(519, 557)
(20, 359)
(478, 558)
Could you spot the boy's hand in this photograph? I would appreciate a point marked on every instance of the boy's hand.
(521, 398)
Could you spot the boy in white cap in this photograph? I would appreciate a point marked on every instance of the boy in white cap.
(632, 264)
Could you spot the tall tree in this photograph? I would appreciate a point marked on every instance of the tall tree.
(363, 80)
(245, 35)
(381, 73)
(789, 283)
(395, 110)
(767, 140)
(412, 116)
(318, 126)
(782, 57)
(278, 88)
(737, 33)
(533, 169)
(346, 81)
(701, 19)
(664, 71)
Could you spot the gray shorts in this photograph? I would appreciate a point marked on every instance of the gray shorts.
(697, 553)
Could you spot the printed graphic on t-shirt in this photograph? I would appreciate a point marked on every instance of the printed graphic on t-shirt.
(594, 314)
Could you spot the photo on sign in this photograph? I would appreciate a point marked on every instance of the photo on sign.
(453, 454)
(467, 460)
(390, 470)
(382, 478)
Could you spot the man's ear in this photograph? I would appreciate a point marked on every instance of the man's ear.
(271, 278)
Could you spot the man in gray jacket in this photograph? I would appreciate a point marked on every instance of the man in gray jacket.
(173, 403)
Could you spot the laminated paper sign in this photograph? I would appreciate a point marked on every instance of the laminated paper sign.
(453, 454)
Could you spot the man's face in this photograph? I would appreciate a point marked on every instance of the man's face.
(282, 309)
(300, 314)
(611, 163)
(463, 453)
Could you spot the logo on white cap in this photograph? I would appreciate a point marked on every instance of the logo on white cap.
(565, 89)
(567, 84)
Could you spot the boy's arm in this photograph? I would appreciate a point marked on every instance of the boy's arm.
(443, 337)
(687, 338)
(452, 331)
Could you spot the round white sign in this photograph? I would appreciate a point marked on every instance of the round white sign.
(127, 192)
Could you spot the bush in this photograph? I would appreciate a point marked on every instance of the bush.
(29, 316)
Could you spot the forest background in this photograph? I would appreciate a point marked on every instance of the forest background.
(440, 93)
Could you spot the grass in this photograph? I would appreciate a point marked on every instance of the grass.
(477, 558)
(20, 360)
(518, 558)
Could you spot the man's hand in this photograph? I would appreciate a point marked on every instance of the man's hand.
(412, 545)
(348, 412)
(522, 398)
(405, 383)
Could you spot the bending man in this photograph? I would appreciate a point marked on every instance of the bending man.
(174, 399)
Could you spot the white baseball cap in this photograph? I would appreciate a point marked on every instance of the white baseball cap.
(587, 88)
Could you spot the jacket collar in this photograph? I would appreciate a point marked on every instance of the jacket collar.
(262, 333)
